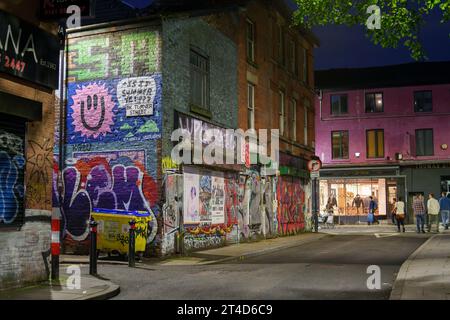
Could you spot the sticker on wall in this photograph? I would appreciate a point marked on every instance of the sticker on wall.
(123, 110)
(137, 95)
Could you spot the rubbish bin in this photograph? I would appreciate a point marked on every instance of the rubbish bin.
(113, 230)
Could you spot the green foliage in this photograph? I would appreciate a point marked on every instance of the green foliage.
(401, 20)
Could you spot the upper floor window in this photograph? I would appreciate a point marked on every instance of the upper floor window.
(282, 113)
(307, 106)
(293, 57)
(374, 102)
(251, 105)
(250, 41)
(294, 119)
(424, 142)
(305, 66)
(339, 104)
(339, 142)
(375, 143)
(423, 101)
(199, 80)
(281, 54)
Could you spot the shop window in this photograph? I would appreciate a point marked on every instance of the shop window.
(375, 143)
(423, 101)
(339, 140)
(374, 102)
(339, 104)
(424, 142)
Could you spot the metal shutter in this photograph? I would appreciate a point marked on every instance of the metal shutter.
(12, 167)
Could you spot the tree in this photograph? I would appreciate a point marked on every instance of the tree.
(400, 20)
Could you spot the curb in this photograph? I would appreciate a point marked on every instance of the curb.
(399, 282)
(264, 251)
(111, 293)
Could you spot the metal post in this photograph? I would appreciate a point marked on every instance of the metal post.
(93, 248)
(55, 244)
(314, 205)
(131, 244)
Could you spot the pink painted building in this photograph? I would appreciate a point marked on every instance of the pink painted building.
(382, 132)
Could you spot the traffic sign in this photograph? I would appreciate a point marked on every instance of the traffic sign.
(314, 165)
(315, 174)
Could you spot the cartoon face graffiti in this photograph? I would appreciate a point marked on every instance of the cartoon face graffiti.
(92, 110)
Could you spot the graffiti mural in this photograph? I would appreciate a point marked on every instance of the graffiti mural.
(40, 163)
(117, 53)
(96, 115)
(12, 164)
(120, 184)
(291, 199)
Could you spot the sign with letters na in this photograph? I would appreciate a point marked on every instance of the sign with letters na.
(28, 52)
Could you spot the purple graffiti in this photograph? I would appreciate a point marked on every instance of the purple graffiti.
(119, 188)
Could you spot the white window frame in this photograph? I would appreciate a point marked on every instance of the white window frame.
(251, 105)
(282, 112)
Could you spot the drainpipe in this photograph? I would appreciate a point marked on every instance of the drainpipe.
(56, 231)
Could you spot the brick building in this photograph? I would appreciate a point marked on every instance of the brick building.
(196, 57)
(29, 53)
(382, 132)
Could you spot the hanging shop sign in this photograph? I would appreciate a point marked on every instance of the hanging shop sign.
(28, 52)
(57, 9)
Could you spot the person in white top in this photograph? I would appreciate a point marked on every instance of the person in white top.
(400, 213)
(433, 212)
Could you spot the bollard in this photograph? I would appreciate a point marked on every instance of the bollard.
(93, 248)
(131, 244)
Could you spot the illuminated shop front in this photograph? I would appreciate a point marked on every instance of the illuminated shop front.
(346, 192)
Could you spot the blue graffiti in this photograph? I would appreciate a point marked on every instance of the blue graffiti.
(11, 186)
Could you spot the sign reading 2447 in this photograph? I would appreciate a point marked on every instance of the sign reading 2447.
(28, 52)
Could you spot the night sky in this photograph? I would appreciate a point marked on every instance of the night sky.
(342, 46)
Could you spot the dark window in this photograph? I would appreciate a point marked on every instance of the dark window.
(374, 102)
(339, 104)
(339, 141)
(250, 41)
(199, 80)
(423, 101)
(424, 142)
(375, 143)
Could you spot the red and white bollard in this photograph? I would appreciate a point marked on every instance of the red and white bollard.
(55, 242)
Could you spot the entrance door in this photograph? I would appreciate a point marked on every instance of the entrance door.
(12, 167)
(445, 184)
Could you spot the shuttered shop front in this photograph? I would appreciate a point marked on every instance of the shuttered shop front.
(12, 167)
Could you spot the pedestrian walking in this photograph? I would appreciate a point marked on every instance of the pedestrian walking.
(372, 208)
(444, 205)
(400, 213)
(419, 213)
(394, 211)
(433, 212)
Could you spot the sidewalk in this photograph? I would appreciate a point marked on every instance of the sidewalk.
(91, 288)
(213, 256)
(426, 273)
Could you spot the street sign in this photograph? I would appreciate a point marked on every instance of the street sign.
(314, 165)
(315, 174)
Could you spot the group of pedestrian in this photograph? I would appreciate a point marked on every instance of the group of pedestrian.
(432, 210)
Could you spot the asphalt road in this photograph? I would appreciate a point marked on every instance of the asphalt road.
(334, 267)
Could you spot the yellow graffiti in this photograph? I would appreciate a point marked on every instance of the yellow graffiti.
(169, 164)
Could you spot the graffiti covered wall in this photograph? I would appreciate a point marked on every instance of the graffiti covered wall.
(292, 205)
(113, 128)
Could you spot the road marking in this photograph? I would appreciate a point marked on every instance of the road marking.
(386, 235)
